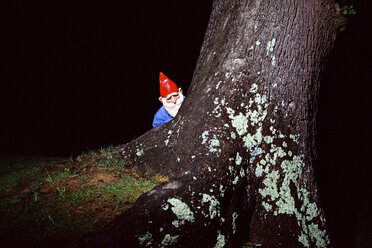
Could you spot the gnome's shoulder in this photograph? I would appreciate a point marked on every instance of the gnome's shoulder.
(162, 113)
(161, 117)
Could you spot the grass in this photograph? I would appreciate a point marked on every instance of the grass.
(50, 198)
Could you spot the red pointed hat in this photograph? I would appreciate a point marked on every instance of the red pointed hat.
(166, 86)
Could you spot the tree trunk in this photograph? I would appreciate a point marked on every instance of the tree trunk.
(241, 151)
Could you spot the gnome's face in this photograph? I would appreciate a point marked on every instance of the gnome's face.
(173, 102)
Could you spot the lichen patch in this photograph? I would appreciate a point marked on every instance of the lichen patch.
(181, 210)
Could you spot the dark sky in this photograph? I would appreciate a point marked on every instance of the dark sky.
(84, 75)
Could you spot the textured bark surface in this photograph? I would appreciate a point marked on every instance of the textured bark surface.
(241, 151)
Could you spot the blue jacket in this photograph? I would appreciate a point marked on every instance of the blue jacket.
(161, 117)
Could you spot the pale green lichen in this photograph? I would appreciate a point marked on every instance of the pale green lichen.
(272, 129)
(318, 236)
(254, 88)
(181, 210)
(176, 223)
(291, 170)
(276, 190)
(165, 207)
(255, 153)
(234, 218)
(231, 169)
(167, 140)
(221, 242)
(214, 143)
(205, 136)
(235, 181)
(311, 211)
(240, 123)
(259, 170)
(273, 61)
(251, 140)
(169, 240)
(270, 182)
(295, 138)
(285, 203)
(238, 159)
(252, 117)
(242, 172)
(222, 191)
(302, 238)
(145, 239)
(267, 206)
(218, 85)
(139, 152)
(233, 135)
(278, 151)
(270, 46)
(268, 139)
(214, 205)
(260, 99)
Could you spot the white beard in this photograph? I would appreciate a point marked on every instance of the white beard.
(172, 108)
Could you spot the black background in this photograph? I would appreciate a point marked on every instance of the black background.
(84, 75)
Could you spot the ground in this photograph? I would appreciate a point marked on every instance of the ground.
(46, 199)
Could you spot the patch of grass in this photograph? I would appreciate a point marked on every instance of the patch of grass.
(43, 198)
(15, 171)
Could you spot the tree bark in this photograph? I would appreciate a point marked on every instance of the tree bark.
(240, 153)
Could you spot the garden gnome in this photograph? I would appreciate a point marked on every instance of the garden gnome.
(171, 97)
